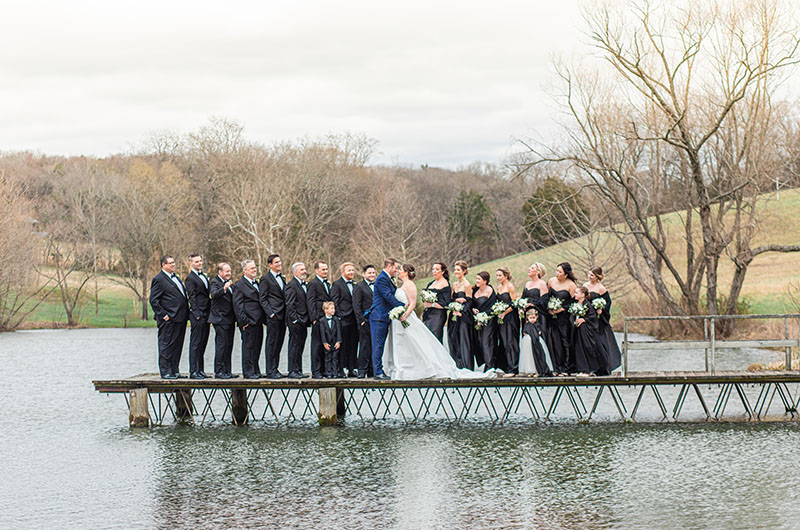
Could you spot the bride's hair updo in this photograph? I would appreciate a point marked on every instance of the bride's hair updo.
(410, 270)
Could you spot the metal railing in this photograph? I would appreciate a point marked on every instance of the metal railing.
(710, 343)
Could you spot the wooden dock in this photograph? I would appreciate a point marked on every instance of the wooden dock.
(151, 399)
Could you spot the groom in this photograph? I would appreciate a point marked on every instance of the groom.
(383, 301)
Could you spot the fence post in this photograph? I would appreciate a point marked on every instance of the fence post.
(625, 347)
(713, 347)
(788, 364)
(705, 337)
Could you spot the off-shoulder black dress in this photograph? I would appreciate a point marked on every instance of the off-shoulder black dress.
(435, 318)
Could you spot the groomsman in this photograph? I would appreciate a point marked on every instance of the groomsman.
(319, 291)
(362, 301)
(221, 290)
(342, 296)
(171, 311)
(273, 302)
(297, 319)
(250, 317)
(199, 306)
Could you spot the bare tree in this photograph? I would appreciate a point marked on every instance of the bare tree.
(680, 126)
(19, 247)
(146, 211)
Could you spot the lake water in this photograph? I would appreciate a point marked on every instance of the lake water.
(70, 461)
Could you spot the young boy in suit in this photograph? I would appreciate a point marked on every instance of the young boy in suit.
(330, 330)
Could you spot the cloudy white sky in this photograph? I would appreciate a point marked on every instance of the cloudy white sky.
(443, 83)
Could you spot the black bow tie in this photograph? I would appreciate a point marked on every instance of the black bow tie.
(349, 281)
(370, 283)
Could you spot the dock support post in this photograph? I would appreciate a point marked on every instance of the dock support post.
(139, 415)
(183, 404)
(239, 406)
(331, 405)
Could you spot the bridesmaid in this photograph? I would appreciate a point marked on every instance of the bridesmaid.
(435, 314)
(483, 297)
(537, 293)
(509, 329)
(605, 336)
(589, 357)
(559, 327)
(460, 330)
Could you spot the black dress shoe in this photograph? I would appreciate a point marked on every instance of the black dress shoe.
(317, 376)
(232, 376)
(295, 375)
(222, 376)
(382, 377)
(352, 374)
(253, 376)
(362, 376)
(197, 376)
(204, 374)
(179, 376)
(280, 375)
(263, 376)
(169, 376)
(276, 375)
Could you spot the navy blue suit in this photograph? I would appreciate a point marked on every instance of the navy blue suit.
(383, 301)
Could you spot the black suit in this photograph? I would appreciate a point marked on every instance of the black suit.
(362, 302)
(167, 299)
(250, 317)
(318, 292)
(331, 332)
(298, 322)
(200, 307)
(274, 303)
(340, 293)
(223, 318)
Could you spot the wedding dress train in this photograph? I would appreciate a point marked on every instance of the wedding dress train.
(414, 353)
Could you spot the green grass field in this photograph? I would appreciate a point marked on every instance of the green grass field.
(766, 288)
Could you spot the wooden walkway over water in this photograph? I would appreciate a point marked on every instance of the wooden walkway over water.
(636, 396)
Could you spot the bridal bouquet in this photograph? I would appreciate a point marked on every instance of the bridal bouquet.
(599, 303)
(481, 319)
(555, 304)
(428, 296)
(497, 310)
(398, 312)
(452, 307)
(577, 310)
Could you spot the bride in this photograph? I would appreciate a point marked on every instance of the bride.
(413, 352)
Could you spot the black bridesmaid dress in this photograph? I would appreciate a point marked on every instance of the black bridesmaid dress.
(538, 301)
(509, 335)
(460, 333)
(589, 357)
(435, 318)
(486, 337)
(559, 334)
(606, 338)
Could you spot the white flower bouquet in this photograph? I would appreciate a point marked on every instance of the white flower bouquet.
(599, 303)
(428, 296)
(481, 319)
(398, 312)
(577, 310)
(497, 310)
(454, 307)
(554, 304)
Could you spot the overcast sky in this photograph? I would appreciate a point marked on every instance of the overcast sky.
(443, 83)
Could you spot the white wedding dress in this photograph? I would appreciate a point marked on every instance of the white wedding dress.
(414, 352)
